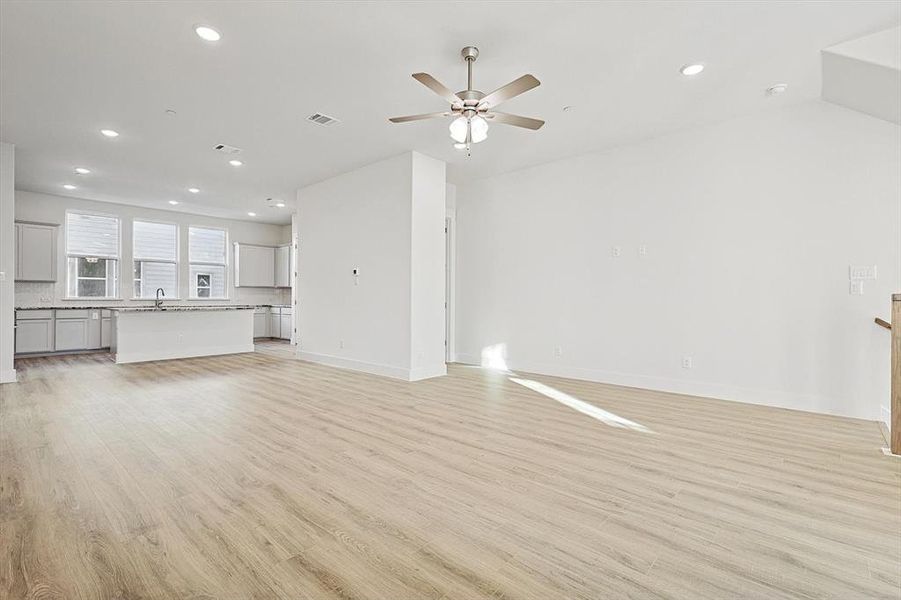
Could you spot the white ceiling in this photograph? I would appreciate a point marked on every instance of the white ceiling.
(68, 69)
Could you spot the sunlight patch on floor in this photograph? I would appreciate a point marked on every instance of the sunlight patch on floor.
(608, 418)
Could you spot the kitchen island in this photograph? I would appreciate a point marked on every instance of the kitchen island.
(144, 333)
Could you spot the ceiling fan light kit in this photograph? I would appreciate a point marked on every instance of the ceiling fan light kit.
(472, 110)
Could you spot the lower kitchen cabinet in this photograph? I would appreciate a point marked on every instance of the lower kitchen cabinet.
(49, 330)
(275, 323)
(106, 323)
(261, 323)
(73, 331)
(285, 329)
(34, 332)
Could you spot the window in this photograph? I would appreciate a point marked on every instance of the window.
(208, 261)
(156, 259)
(92, 255)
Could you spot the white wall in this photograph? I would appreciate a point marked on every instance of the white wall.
(427, 268)
(750, 226)
(46, 208)
(364, 219)
(7, 261)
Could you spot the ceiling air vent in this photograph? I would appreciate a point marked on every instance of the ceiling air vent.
(226, 149)
(324, 120)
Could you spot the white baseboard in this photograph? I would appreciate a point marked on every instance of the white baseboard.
(355, 365)
(428, 372)
(374, 368)
(133, 357)
(777, 399)
(8, 376)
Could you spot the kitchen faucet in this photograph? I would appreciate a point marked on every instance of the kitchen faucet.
(159, 301)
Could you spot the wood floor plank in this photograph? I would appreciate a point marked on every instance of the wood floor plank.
(260, 476)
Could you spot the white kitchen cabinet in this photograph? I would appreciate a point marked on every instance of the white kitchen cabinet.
(254, 266)
(283, 266)
(72, 330)
(261, 322)
(285, 329)
(106, 324)
(34, 331)
(95, 331)
(275, 323)
(35, 252)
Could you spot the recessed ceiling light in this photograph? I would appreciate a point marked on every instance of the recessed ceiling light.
(81, 171)
(110, 133)
(567, 108)
(194, 190)
(692, 69)
(207, 33)
(251, 214)
(173, 202)
(235, 162)
(777, 89)
(69, 186)
(280, 205)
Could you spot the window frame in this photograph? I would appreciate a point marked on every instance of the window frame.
(115, 277)
(135, 260)
(192, 284)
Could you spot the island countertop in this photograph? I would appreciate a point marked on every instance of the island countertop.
(176, 308)
(141, 306)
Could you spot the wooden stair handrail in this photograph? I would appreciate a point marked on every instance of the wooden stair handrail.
(896, 375)
(883, 323)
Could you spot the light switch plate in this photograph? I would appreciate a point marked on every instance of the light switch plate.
(616, 251)
(856, 288)
(861, 272)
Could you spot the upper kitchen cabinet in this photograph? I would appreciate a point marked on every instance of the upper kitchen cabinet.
(283, 266)
(254, 265)
(36, 252)
(262, 266)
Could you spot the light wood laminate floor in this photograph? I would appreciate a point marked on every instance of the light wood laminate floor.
(258, 476)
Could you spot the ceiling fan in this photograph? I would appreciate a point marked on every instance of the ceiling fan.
(472, 109)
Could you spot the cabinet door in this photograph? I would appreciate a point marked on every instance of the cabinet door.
(260, 325)
(283, 266)
(34, 335)
(275, 325)
(105, 324)
(95, 333)
(35, 252)
(286, 327)
(72, 334)
(254, 266)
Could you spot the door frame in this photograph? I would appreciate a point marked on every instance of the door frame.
(450, 278)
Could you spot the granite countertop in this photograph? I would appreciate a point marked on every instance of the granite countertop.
(174, 308)
(124, 307)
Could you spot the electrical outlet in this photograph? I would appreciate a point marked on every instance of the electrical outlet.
(617, 251)
(642, 250)
(558, 351)
(856, 287)
(686, 362)
(862, 272)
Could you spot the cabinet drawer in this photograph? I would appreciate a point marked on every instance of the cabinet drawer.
(23, 315)
(74, 313)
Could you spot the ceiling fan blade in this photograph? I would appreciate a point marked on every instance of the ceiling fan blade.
(511, 90)
(437, 87)
(516, 120)
(422, 117)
